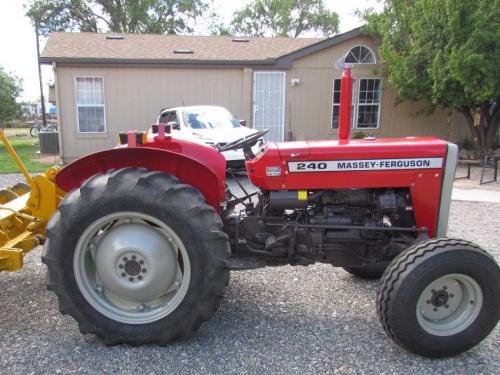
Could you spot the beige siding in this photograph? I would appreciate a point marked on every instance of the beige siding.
(134, 96)
(310, 103)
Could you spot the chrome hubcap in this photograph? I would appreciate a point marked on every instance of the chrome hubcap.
(132, 267)
(449, 305)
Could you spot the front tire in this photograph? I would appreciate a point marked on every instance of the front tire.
(137, 257)
(440, 297)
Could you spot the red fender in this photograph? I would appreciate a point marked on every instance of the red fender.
(204, 169)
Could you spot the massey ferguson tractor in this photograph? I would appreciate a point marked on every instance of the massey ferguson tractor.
(140, 239)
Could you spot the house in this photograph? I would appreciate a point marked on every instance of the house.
(106, 83)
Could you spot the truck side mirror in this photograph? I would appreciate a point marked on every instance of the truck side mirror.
(243, 122)
(174, 125)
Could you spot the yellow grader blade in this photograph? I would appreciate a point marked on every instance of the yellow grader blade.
(25, 209)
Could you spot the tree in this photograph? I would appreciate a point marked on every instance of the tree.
(444, 53)
(10, 88)
(289, 18)
(216, 25)
(120, 16)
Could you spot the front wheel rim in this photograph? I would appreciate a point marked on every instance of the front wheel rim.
(449, 305)
(132, 267)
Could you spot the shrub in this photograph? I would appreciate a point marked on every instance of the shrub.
(358, 135)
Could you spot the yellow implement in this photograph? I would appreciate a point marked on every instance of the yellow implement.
(25, 209)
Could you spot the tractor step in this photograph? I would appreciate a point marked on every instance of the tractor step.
(241, 264)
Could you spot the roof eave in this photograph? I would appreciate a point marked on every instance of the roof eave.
(89, 60)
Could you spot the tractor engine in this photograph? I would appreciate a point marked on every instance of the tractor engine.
(345, 227)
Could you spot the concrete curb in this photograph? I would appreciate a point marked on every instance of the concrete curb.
(475, 195)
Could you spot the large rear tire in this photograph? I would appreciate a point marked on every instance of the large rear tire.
(440, 297)
(137, 257)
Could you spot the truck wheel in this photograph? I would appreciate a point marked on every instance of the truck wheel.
(440, 298)
(137, 257)
(369, 271)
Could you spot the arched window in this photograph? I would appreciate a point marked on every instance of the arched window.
(360, 55)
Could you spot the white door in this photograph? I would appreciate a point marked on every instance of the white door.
(269, 104)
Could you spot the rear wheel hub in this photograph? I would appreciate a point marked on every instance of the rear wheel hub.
(132, 267)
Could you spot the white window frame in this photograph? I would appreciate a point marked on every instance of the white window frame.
(355, 104)
(103, 105)
(366, 104)
(369, 49)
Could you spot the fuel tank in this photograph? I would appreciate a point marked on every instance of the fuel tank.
(414, 162)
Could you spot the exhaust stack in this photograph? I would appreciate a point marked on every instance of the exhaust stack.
(345, 105)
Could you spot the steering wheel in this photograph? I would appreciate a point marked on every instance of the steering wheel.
(246, 143)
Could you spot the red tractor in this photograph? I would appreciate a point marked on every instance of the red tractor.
(140, 248)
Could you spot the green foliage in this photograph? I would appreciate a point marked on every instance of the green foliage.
(26, 148)
(121, 16)
(10, 88)
(286, 18)
(358, 135)
(444, 53)
(216, 26)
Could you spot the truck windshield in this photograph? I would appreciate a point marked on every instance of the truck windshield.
(210, 118)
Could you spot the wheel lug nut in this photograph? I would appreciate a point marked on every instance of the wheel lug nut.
(435, 309)
(124, 274)
(141, 262)
(428, 301)
(451, 295)
(471, 302)
(125, 259)
(433, 291)
(134, 257)
(144, 270)
(130, 279)
(139, 277)
(445, 287)
(120, 266)
(446, 306)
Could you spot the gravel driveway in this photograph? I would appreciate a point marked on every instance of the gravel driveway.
(291, 320)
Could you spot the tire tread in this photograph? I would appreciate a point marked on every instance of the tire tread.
(160, 186)
(400, 265)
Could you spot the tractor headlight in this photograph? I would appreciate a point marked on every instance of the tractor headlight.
(273, 171)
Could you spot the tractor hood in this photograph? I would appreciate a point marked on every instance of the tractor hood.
(364, 148)
(310, 164)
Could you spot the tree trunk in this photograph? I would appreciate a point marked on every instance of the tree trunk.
(484, 134)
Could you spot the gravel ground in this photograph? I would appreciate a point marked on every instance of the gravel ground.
(291, 320)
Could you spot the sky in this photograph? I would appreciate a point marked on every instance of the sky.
(18, 44)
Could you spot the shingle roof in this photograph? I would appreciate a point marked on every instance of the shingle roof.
(62, 46)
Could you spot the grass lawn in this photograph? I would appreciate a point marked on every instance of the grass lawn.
(26, 147)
